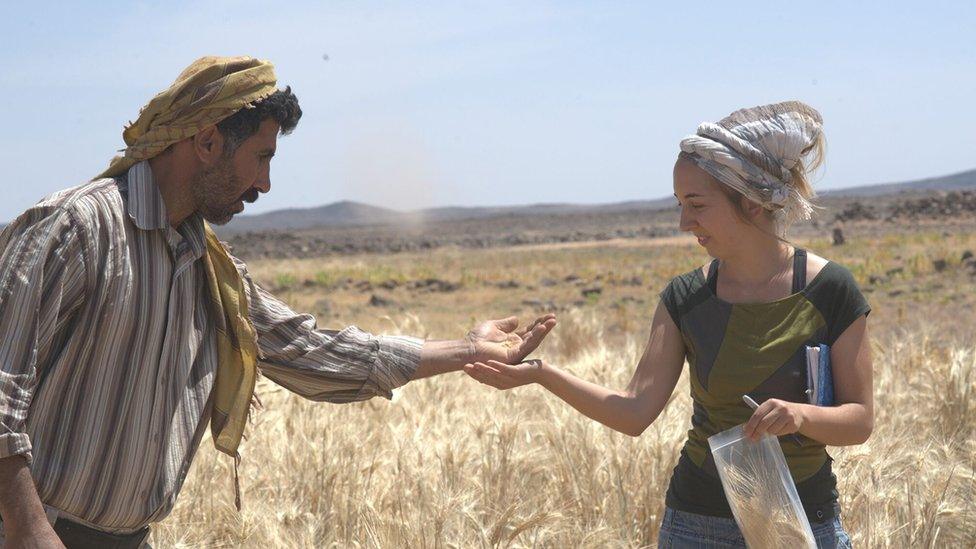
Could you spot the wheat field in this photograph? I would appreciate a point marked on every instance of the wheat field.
(451, 463)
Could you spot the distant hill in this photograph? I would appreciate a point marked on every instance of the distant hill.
(349, 213)
(355, 213)
(338, 213)
(953, 182)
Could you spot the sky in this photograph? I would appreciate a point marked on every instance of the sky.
(420, 104)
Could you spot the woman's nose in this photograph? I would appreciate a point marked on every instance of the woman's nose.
(687, 221)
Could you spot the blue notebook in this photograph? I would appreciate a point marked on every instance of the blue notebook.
(820, 379)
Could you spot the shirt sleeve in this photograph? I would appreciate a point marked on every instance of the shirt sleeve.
(843, 302)
(326, 365)
(669, 297)
(42, 278)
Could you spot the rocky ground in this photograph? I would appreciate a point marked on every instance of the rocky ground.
(945, 210)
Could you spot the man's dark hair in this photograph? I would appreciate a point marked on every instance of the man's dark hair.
(281, 106)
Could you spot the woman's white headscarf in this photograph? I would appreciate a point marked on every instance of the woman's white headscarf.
(753, 150)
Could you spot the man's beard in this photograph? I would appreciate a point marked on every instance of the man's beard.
(215, 191)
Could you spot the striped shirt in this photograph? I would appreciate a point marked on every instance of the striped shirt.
(107, 354)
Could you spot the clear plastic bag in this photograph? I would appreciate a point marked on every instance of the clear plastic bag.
(760, 490)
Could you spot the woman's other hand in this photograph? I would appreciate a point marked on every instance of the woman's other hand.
(776, 417)
(506, 376)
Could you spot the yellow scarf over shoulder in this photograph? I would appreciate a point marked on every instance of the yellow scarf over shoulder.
(208, 91)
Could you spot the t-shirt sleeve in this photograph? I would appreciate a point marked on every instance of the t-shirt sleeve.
(843, 302)
(670, 299)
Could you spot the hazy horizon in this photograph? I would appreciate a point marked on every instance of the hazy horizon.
(413, 106)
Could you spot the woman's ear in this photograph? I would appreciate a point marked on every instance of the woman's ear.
(752, 209)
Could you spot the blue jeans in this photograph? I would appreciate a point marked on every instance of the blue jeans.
(681, 530)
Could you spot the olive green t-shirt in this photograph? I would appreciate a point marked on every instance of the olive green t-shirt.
(757, 349)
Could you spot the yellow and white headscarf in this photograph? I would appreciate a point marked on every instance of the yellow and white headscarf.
(208, 91)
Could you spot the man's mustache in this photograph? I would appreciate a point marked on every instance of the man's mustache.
(250, 196)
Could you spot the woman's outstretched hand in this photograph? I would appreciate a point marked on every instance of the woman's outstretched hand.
(506, 376)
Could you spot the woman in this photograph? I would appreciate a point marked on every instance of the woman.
(743, 322)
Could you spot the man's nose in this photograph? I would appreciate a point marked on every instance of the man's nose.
(263, 184)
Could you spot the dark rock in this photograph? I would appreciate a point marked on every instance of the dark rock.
(434, 285)
(632, 281)
(591, 291)
(389, 284)
(377, 301)
(364, 286)
(547, 282)
(857, 211)
(968, 254)
(508, 285)
(939, 265)
(838, 236)
(540, 305)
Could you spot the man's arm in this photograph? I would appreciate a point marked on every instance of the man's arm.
(350, 364)
(25, 523)
(42, 279)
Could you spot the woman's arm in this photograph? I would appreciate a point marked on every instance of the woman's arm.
(851, 420)
(630, 410)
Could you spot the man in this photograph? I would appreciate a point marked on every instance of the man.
(126, 328)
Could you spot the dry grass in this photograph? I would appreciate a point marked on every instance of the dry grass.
(755, 478)
(450, 463)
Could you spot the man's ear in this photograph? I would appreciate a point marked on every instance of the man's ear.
(208, 145)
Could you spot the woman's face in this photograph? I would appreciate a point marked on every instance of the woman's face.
(706, 211)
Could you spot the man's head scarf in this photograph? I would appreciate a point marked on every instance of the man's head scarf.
(755, 150)
(208, 91)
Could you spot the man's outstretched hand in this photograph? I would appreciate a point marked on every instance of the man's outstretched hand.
(501, 340)
(498, 340)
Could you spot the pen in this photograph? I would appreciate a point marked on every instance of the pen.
(752, 404)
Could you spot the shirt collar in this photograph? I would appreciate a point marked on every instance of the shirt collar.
(147, 210)
(146, 206)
